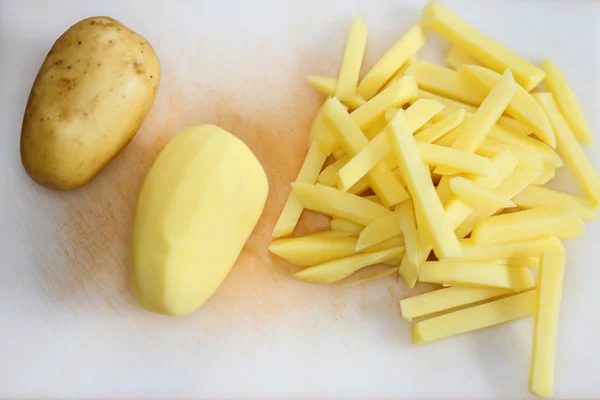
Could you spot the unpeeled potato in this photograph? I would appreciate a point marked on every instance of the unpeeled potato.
(90, 96)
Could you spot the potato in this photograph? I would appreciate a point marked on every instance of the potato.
(89, 98)
(199, 204)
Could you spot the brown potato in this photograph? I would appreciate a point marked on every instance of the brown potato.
(90, 97)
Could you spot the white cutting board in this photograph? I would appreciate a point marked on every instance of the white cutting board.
(69, 327)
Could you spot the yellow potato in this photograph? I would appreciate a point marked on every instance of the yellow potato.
(89, 98)
(199, 203)
(312, 250)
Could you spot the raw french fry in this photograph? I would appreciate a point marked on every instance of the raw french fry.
(336, 270)
(451, 106)
(405, 218)
(521, 107)
(523, 262)
(536, 196)
(457, 211)
(369, 278)
(389, 243)
(528, 160)
(440, 128)
(526, 248)
(339, 154)
(486, 51)
(541, 376)
(570, 149)
(360, 187)
(326, 85)
(446, 82)
(457, 57)
(378, 126)
(396, 95)
(383, 228)
(328, 233)
(417, 178)
(338, 204)
(342, 225)
(448, 139)
(475, 318)
(328, 176)
(528, 224)
(352, 60)
(545, 177)
(293, 208)
(514, 183)
(313, 250)
(381, 179)
(567, 102)
(513, 139)
(392, 61)
(400, 73)
(476, 129)
(416, 115)
(445, 300)
(477, 196)
(458, 160)
(477, 274)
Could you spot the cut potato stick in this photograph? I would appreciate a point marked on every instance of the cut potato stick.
(446, 82)
(313, 250)
(458, 160)
(328, 176)
(510, 187)
(327, 85)
(392, 61)
(523, 262)
(570, 149)
(381, 179)
(567, 102)
(543, 354)
(528, 160)
(352, 60)
(448, 139)
(445, 300)
(536, 196)
(477, 196)
(457, 57)
(451, 106)
(338, 224)
(475, 318)
(293, 208)
(406, 220)
(417, 178)
(396, 95)
(372, 154)
(336, 270)
(378, 126)
(475, 129)
(440, 128)
(485, 50)
(338, 204)
(328, 233)
(322, 133)
(383, 228)
(521, 107)
(360, 187)
(545, 177)
(477, 274)
(369, 278)
(399, 74)
(528, 224)
(513, 138)
(526, 248)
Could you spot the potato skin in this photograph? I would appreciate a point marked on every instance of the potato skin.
(91, 95)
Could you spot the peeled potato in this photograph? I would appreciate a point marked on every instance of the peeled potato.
(199, 203)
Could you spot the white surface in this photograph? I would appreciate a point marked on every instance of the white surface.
(68, 324)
